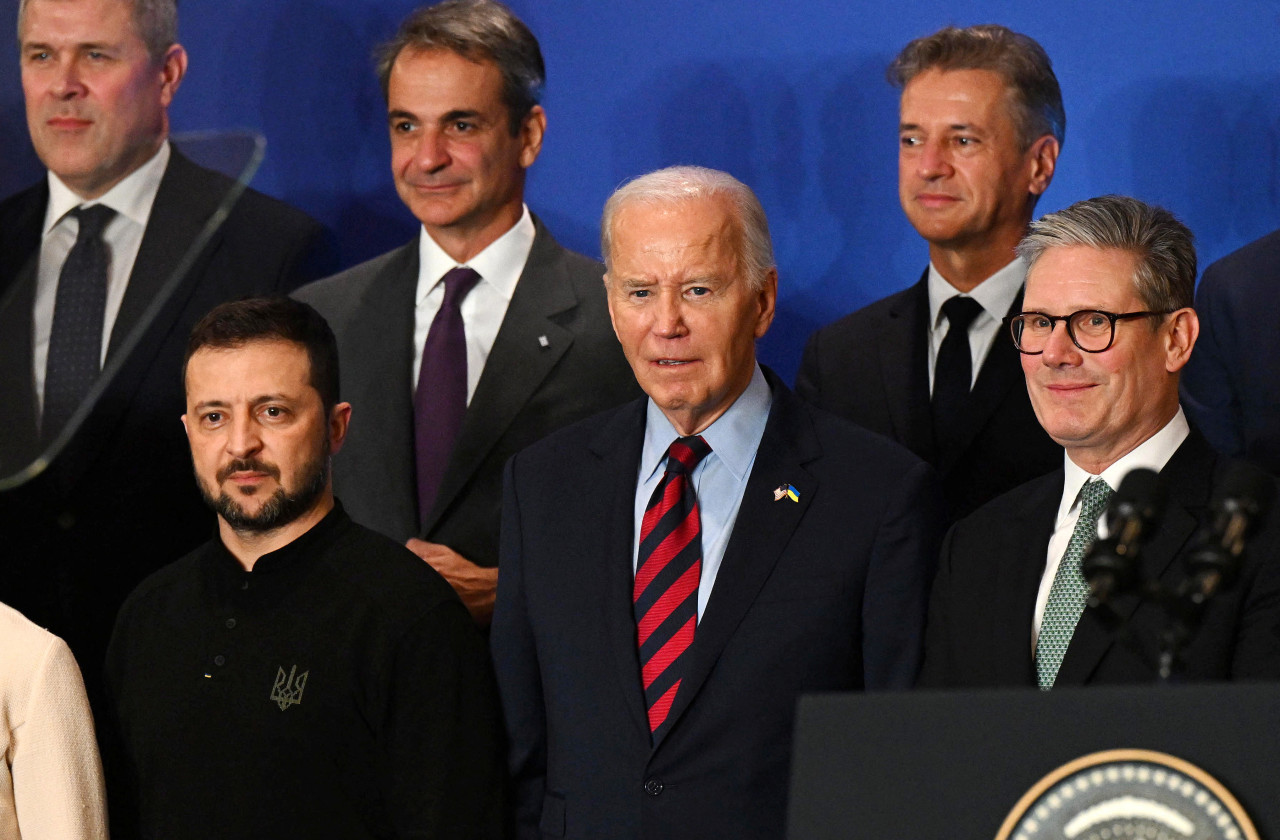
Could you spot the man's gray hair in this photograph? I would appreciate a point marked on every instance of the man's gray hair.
(679, 184)
(1016, 58)
(1165, 276)
(477, 30)
(156, 22)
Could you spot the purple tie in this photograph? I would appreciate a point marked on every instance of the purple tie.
(440, 400)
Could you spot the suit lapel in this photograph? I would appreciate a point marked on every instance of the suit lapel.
(1000, 373)
(19, 260)
(1019, 557)
(618, 447)
(761, 532)
(527, 347)
(904, 335)
(382, 388)
(1187, 479)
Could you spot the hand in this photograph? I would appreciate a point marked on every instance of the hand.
(476, 585)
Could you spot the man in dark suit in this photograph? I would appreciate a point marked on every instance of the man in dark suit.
(981, 125)
(451, 380)
(1231, 389)
(654, 628)
(80, 297)
(1108, 328)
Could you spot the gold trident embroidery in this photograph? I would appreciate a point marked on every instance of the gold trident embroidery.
(288, 688)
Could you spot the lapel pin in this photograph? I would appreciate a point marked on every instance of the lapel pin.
(543, 341)
(786, 491)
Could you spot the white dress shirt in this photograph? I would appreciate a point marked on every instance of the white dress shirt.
(132, 199)
(1152, 454)
(499, 267)
(720, 478)
(995, 294)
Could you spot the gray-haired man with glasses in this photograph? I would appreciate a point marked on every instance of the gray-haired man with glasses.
(1107, 325)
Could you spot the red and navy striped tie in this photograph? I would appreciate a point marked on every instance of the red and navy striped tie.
(668, 566)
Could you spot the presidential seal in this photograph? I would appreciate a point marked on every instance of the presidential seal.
(1128, 795)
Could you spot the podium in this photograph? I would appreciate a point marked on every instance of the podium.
(953, 765)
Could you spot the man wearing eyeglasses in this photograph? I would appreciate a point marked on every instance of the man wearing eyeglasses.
(1107, 325)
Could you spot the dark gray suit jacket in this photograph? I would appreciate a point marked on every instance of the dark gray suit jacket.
(989, 574)
(823, 594)
(120, 501)
(526, 390)
(1231, 386)
(872, 367)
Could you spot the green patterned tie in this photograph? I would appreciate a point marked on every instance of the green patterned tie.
(1069, 591)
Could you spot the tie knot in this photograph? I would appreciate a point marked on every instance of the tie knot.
(93, 220)
(458, 283)
(961, 311)
(1093, 499)
(684, 453)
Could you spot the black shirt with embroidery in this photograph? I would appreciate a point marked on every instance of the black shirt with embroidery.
(340, 689)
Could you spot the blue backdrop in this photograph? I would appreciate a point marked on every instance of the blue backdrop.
(1177, 103)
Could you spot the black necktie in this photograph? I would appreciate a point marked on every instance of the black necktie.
(953, 373)
(75, 342)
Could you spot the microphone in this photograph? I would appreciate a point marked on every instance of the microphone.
(1111, 566)
(1237, 510)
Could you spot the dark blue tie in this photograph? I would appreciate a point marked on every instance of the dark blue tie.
(75, 342)
(440, 400)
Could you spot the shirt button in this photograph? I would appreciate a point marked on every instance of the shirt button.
(219, 660)
(653, 787)
(244, 584)
(231, 624)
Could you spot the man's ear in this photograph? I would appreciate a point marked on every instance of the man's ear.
(1180, 338)
(339, 422)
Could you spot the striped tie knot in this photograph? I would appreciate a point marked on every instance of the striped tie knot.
(685, 453)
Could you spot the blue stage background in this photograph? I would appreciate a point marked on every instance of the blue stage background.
(1177, 103)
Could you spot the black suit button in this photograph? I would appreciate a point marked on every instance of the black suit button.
(653, 787)
(66, 520)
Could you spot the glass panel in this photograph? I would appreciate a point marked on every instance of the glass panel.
(24, 452)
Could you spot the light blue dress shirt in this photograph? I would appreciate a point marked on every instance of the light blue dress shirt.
(719, 480)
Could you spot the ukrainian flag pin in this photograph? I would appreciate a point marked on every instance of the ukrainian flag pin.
(786, 491)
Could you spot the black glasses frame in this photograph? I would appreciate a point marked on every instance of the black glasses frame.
(1012, 320)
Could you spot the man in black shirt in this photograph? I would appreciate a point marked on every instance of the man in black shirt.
(300, 675)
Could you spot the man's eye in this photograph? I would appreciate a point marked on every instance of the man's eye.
(909, 140)
(273, 411)
(1039, 322)
(639, 293)
(699, 291)
(213, 417)
(463, 127)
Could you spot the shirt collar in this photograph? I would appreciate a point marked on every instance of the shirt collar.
(1152, 454)
(288, 556)
(131, 198)
(995, 294)
(499, 265)
(734, 437)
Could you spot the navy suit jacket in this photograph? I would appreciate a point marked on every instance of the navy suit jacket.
(120, 501)
(823, 594)
(1231, 386)
(555, 360)
(872, 367)
(991, 565)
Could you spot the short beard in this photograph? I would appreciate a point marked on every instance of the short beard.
(277, 511)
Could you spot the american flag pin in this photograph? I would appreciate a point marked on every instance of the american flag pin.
(786, 491)
(543, 341)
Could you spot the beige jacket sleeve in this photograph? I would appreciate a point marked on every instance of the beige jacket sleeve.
(51, 778)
